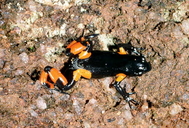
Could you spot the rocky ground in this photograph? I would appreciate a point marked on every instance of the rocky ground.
(33, 34)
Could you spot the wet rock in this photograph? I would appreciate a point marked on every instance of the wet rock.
(161, 29)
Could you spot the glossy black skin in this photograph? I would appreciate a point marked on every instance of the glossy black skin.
(106, 63)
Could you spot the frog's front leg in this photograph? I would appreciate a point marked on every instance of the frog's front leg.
(81, 47)
(122, 92)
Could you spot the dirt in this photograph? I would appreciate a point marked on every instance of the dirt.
(33, 34)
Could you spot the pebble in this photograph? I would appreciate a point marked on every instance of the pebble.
(2, 53)
(33, 113)
(127, 115)
(106, 39)
(68, 115)
(93, 101)
(144, 106)
(17, 30)
(81, 26)
(43, 48)
(2, 22)
(185, 26)
(175, 109)
(76, 106)
(80, 2)
(24, 57)
(65, 97)
(185, 97)
(2, 63)
(32, 6)
(121, 121)
(14, 80)
(177, 32)
(86, 125)
(63, 29)
(41, 104)
(19, 72)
